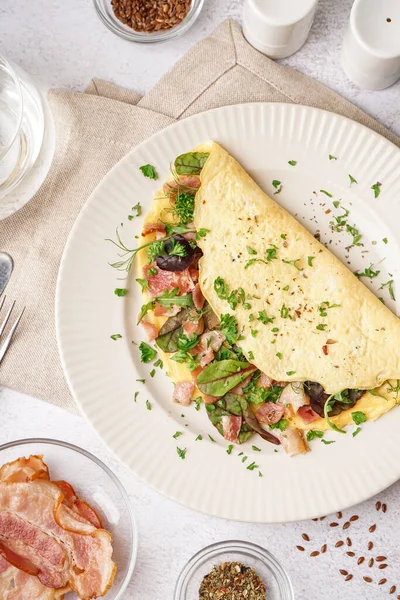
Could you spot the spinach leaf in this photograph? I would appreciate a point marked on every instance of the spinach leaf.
(191, 163)
(220, 377)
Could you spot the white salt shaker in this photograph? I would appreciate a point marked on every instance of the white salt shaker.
(371, 45)
(278, 28)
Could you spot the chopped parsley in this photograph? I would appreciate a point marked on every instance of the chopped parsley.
(290, 373)
(229, 449)
(252, 466)
(221, 288)
(177, 434)
(262, 316)
(324, 306)
(322, 326)
(356, 235)
(284, 312)
(211, 438)
(159, 363)
(326, 193)
(292, 163)
(152, 372)
(275, 329)
(336, 203)
(285, 289)
(283, 236)
(122, 291)
(358, 417)
(138, 210)
(309, 260)
(115, 336)
(293, 263)
(155, 249)
(149, 171)
(152, 271)
(314, 433)
(135, 396)
(328, 441)
(251, 355)
(201, 233)
(389, 285)
(181, 453)
(254, 332)
(276, 183)
(256, 449)
(281, 425)
(186, 343)
(331, 157)
(147, 353)
(356, 432)
(229, 328)
(385, 240)
(144, 284)
(270, 254)
(352, 180)
(250, 250)
(141, 380)
(184, 207)
(328, 408)
(148, 405)
(377, 188)
(368, 272)
(199, 438)
(279, 355)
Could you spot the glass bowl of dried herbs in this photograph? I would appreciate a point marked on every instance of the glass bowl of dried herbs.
(233, 569)
(148, 22)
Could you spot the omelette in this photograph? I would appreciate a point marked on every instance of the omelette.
(254, 317)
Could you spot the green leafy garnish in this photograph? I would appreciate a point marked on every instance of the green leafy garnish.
(229, 449)
(293, 263)
(254, 332)
(191, 163)
(270, 254)
(368, 272)
(152, 271)
(251, 355)
(116, 336)
(199, 438)
(377, 188)
(220, 377)
(155, 249)
(183, 207)
(389, 285)
(352, 180)
(328, 442)
(170, 298)
(279, 355)
(177, 434)
(309, 260)
(211, 438)
(148, 404)
(285, 289)
(385, 240)
(356, 235)
(276, 183)
(256, 449)
(181, 453)
(281, 425)
(314, 433)
(186, 343)
(322, 326)
(292, 163)
(358, 417)
(250, 250)
(147, 353)
(284, 312)
(144, 284)
(324, 306)
(252, 466)
(122, 291)
(283, 236)
(152, 372)
(201, 233)
(229, 328)
(149, 171)
(326, 193)
(328, 408)
(262, 316)
(135, 396)
(394, 389)
(221, 288)
(331, 157)
(356, 432)
(336, 203)
(290, 373)
(138, 209)
(177, 249)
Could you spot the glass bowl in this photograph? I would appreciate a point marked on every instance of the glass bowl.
(106, 14)
(93, 481)
(263, 562)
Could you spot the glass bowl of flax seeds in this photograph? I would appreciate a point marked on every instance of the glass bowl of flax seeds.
(257, 568)
(148, 21)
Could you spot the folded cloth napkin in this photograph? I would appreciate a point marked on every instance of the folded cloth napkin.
(94, 130)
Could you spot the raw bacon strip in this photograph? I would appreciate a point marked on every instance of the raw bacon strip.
(168, 280)
(270, 413)
(307, 414)
(230, 427)
(183, 392)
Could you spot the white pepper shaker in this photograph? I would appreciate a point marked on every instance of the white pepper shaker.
(371, 45)
(278, 28)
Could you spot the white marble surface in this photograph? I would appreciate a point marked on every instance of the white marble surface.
(64, 44)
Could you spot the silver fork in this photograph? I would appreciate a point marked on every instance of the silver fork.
(6, 344)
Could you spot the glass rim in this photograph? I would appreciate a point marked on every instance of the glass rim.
(131, 35)
(114, 478)
(21, 105)
(213, 550)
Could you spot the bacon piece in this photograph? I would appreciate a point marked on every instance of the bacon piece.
(150, 329)
(198, 298)
(230, 427)
(183, 392)
(292, 441)
(238, 389)
(158, 228)
(294, 395)
(210, 342)
(267, 382)
(163, 311)
(194, 274)
(186, 183)
(193, 326)
(270, 413)
(307, 414)
(29, 512)
(79, 506)
(25, 469)
(168, 280)
(17, 585)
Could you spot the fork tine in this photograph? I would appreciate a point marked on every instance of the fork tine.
(7, 341)
(4, 323)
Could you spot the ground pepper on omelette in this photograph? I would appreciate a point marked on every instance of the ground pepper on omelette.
(254, 316)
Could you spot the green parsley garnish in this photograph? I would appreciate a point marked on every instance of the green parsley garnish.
(377, 188)
(135, 396)
(389, 285)
(356, 235)
(177, 434)
(385, 240)
(331, 157)
(186, 343)
(148, 405)
(201, 233)
(328, 441)
(324, 306)
(251, 355)
(290, 373)
(352, 180)
(152, 372)
(159, 363)
(326, 193)
(152, 271)
(285, 289)
(256, 449)
(368, 272)
(149, 171)
(199, 438)
(221, 288)
(122, 291)
(229, 328)
(336, 203)
(314, 433)
(284, 312)
(356, 432)
(293, 263)
(309, 260)
(147, 353)
(270, 254)
(181, 453)
(283, 236)
(252, 466)
(229, 449)
(116, 336)
(281, 425)
(254, 332)
(292, 163)
(141, 380)
(322, 326)
(358, 417)
(144, 284)
(138, 209)
(211, 438)
(275, 329)
(279, 355)
(276, 183)
(250, 250)
(327, 409)
(262, 316)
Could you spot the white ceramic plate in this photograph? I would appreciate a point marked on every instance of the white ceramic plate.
(102, 373)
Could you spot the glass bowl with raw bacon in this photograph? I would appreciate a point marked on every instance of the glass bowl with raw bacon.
(66, 525)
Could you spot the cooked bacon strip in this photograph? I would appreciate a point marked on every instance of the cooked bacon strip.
(168, 280)
(162, 311)
(76, 504)
(238, 389)
(150, 329)
(154, 227)
(294, 395)
(183, 392)
(307, 414)
(186, 183)
(267, 382)
(230, 427)
(269, 412)
(87, 568)
(292, 440)
(198, 298)
(194, 325)
(210, 342)
(24, 469)
(17, 585)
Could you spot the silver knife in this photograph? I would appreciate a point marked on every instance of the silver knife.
(6, 268)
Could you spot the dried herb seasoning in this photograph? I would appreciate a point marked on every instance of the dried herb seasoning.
(232, 581)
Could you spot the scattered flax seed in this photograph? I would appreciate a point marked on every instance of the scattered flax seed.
(380, 558)
(382, 581)
(384, 507)
(349, 576)
(378, 505)
(350, 554)
(360, 560)
(323, 549)
(339, 515)
(305, 537)
(348, 541)
(372, 528)
(333, 524)
(236, 581)
(300, 548)
(368, 579)
(315, 519)
(339, 543)
(346, 525)
(371, 562)
(392, 589)
(382, 566)
(370, 545)
(354, 518)
(343, 572)
(322, 518)
(314, 553)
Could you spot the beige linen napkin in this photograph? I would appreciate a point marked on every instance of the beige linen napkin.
(95, 130)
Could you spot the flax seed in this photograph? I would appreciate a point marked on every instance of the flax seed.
(300, 548)
(349, 542)
(333, 524)
(349, 576)
(378, 505)
(346, 525)
(343, 572)
(392, 589)
(354, 518)
(323, 549)
(315, 553)
(350, 554)
(380, 558)
(305, 537)
(384, 507)
(371, 562)
(372, 528)
(339, 515)
(382, 581)
(360, 560)
(339, 543)
(382, 566)
(370, 545)
(368, 579)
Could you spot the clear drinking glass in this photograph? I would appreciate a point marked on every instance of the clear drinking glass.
(21, 126)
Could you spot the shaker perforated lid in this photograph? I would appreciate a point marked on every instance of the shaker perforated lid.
(278, 28)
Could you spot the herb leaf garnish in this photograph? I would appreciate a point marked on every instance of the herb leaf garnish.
(377, 188)
(147, 353)
(389, 285)
(358, 417)
(191, 163)
(149, 171)
(121, 291)
(229, 328)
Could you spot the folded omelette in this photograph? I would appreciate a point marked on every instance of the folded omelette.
(254, 317)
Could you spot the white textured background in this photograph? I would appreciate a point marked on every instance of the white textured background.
(64, 44)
